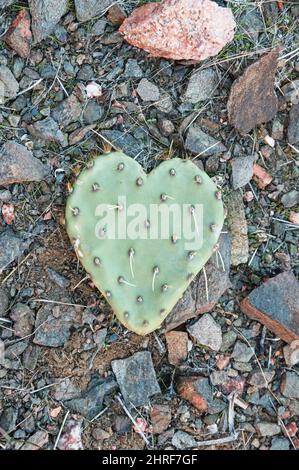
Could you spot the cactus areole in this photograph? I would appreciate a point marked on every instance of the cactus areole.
(143, 238)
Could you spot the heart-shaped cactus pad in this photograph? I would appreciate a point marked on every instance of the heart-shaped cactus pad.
(143, 238)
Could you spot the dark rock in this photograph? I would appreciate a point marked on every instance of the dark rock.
(15, 350)
(237, 224)
(289, 385)
(133, 69)
(8, 419)
(4, 302)
(122, 424)
(88, 9)
(47, 130)
(290, 199)
(90, 404)
(85, 73)
(199, 142)
(23, 318)
(57, 278)
(276, 304)
(45, 16)
(9, 87)
(65, 389)
(30, 357)
(99, 27)
(160, 418)
(136, 378)
(293, 127)
(182, 440)
(194, 301)
(11, 247)
(93, 112)
(18, 36)
(125, 142)
(17, 165)
(53, 326)
(99, 337)
(291, 92)
(251, 22)
(242, 171)
(252, 100)
(67, 111)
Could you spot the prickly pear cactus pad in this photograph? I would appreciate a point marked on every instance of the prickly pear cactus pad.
(141, 258)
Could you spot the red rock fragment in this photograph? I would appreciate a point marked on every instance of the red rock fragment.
(116, 15)
(180, 29)
(275, 304)
(252, 100)
(177, 345)
(19, 36)
(160, 418)
(189, 389)
(261, 176)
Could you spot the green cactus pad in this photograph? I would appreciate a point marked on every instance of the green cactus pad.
(142, 279)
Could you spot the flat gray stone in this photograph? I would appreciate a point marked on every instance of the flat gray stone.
(11, 247)
(242, 171)
(280, 443)
(45, 16)
(293, 127)
(242, 352)
(199, 142)
(88, 9)
(53, 329)
(207, 332)
(201, 86)
(148, 91)
(265, 428)
(132, 69)
(9, 86)
(125, 142)
(289, 386)
(237, 224)
(136, 378)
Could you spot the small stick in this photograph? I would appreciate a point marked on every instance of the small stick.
(222, 440)
(30, 87)
(206, 283)
(131, 263)
(80, 282)
(61, 429)
(132, 419)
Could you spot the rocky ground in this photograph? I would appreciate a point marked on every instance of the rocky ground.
(217, 380)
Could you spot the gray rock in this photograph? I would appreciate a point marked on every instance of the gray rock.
(277, 130)
(31, 356)
(289, 386)
(99, 337)
(280, 443)
(132, 69)
(85, 73)
(291, 198)
(228, 340)
(8, 419)
(4, 302)
(9, 86)
(207, 332)
(53, 326)
(242, 171)
(164, 104)
(125, 142)
(47, 130)
(293, 127)
(238, 228)
(265, 428)
(99, 27)
(11, 247)
(87, 9)
(199, 142)
(93, 112)
(148, 91)
(45, 16)
(182, 440)
(15, 350)
(67, 111)
(18, 165)
(90, 404)
(261, 380)
(57, 278)
(291, 92)
(218, 377)
(166, 127)
(251, 22)
(201, 86)
(194, 300)
(122, 424)
(5, 3)
(136, 378)
(65, 389)
(23, 318)
(242, 352)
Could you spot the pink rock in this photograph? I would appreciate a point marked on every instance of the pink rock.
(180, 29)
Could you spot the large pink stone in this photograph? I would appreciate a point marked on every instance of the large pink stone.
(180, 29)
